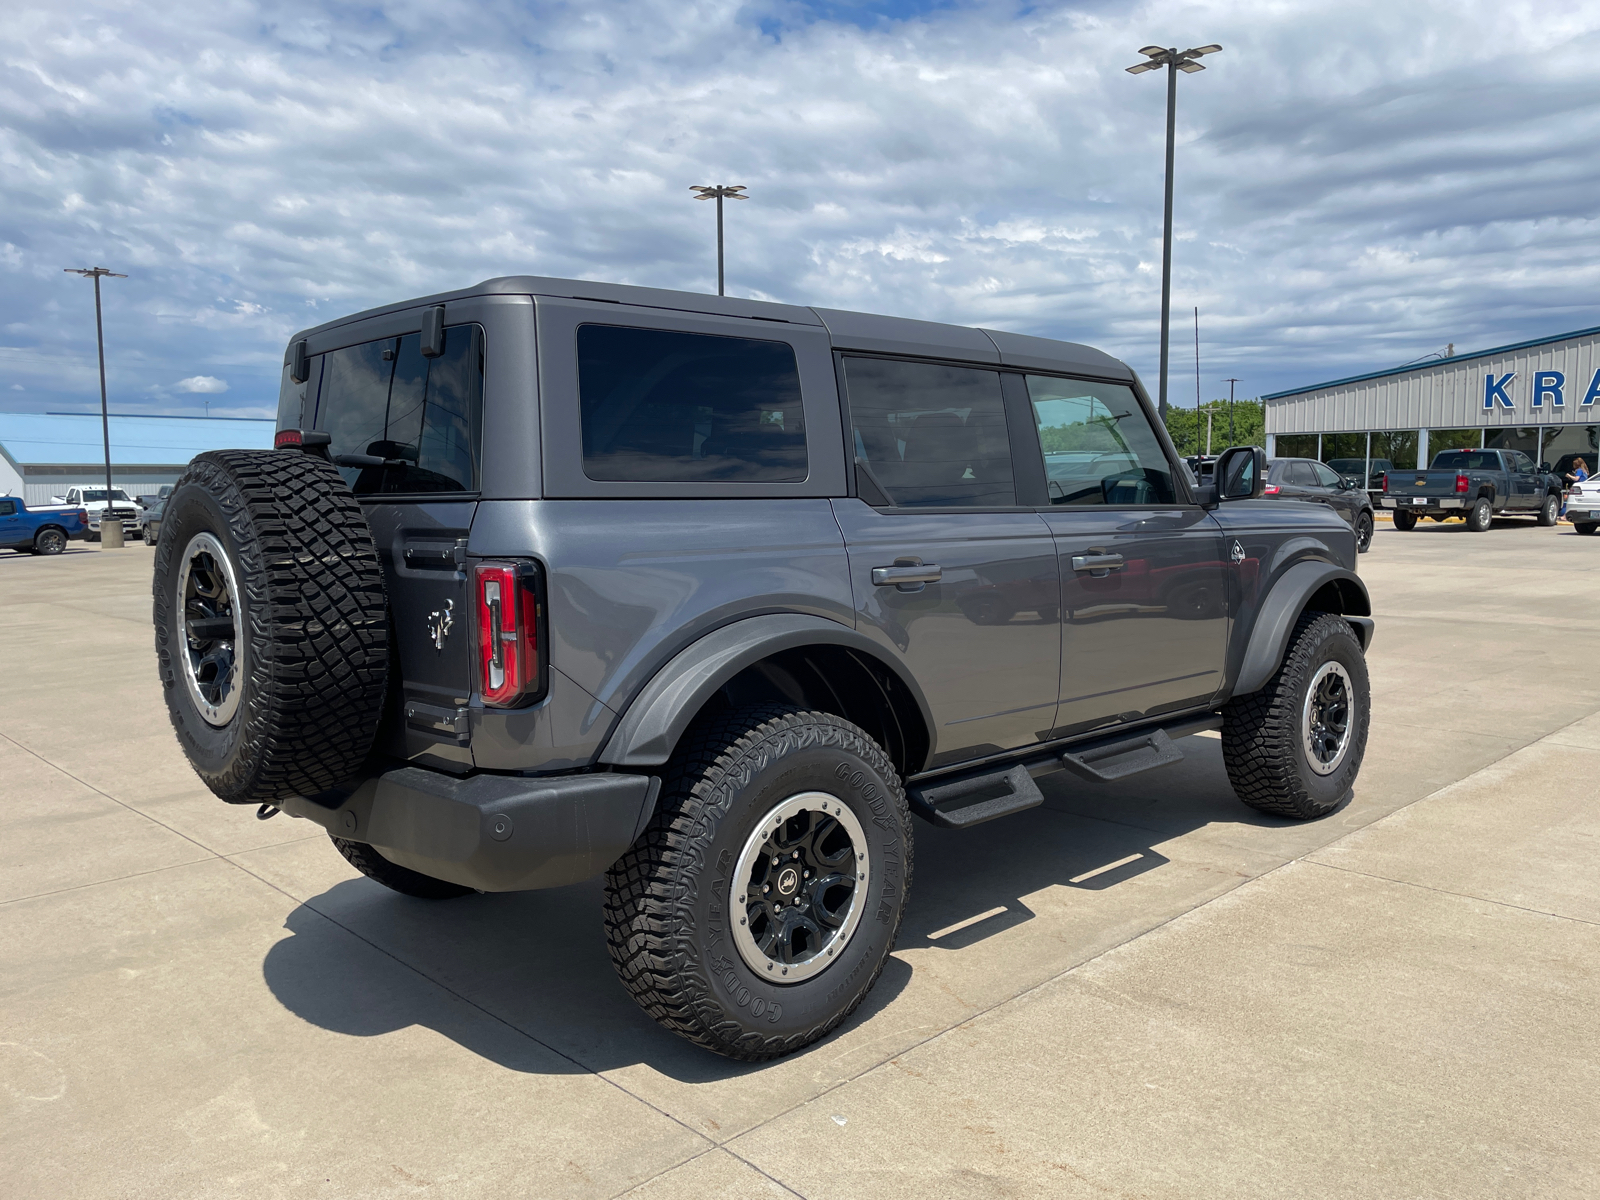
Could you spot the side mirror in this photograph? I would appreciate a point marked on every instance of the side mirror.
(1544, 466)
(1241, 473)
(433, 331)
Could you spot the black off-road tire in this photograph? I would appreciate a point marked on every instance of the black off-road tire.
(404, 880)
(49, 541)
(1481, 515)
(312, 604)
(1363, 532)
(667, 907)
(1550, 511)
(1404, 521)
(1585, 527)
(1262, 743)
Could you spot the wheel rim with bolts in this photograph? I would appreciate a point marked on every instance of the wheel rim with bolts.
(799, 887)
(210, 655)
(52, 542)
(1327, 718)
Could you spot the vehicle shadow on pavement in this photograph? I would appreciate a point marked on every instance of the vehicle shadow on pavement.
(479, 967)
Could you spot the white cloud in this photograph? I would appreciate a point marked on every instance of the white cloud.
(1358, 182)
(209, 384)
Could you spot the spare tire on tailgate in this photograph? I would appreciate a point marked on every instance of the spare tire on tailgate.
(271, 624)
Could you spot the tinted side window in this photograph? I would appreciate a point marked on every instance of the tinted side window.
(1099, 447)
(665, 407)
(383, 399)
(932, 436)
(8, 508)
(1325, 478)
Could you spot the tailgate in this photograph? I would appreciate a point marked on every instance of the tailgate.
(1423, 483)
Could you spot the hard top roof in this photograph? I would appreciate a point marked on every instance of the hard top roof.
(846, 330)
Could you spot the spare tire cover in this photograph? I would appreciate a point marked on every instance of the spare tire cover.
(271, 624)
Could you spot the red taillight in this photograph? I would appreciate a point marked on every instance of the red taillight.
(1386, 481)
(1270, 490)
(83, 515)
(1461, 484)
(287, 437)
(509, 620)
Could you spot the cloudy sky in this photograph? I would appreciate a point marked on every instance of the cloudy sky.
(1359, 182)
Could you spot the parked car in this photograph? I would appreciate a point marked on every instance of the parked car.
(150, 500)
(93, 501)
(1476, 484)
(42, 530)
(650, 619)
(1307, 479)
(151, 524)
(1354, 468)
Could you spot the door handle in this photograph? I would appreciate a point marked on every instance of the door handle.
(910, 573)
(1096, 562)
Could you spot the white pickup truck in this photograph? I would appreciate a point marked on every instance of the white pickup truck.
(93, 501)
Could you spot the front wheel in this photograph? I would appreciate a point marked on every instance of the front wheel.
(760, 904)
(49, 541)
(1481, 515)
(1364, 533)
(1550, 512)
(1404, 521)
(1293, 749)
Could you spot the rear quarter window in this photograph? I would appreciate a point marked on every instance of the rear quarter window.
(661, 406)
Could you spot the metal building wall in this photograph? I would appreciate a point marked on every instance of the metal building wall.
(1447, 394)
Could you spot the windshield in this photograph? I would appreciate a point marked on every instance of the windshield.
(92, 494)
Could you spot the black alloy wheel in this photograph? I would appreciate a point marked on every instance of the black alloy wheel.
(50, 541)
(1325, 718)
(1363, 532)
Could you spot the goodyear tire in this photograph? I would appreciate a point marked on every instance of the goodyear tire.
(271, 625)
(761, 902)
(1294, 748)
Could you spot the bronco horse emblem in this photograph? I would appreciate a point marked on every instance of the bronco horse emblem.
(439, 624)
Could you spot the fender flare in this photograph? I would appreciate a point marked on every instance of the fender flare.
(652, 724)
(1269, 639)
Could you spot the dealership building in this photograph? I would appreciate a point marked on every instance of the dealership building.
(1541, 397)
(44, 454)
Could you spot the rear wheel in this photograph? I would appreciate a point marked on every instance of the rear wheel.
(760, 904)
(1404, 521)
(1550, 512)
(271, 625)
(1364, 533)
(404, 880)
(49, 541)
(1293, 749)
(1584, 527)
(1481, 515)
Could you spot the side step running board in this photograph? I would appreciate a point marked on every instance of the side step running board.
(1118, 760)
(968, 800)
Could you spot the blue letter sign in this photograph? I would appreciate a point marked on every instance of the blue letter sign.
(1593, 393)
(1493, 390)
(1548, 383)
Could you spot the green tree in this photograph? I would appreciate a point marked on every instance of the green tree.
(1187, 426)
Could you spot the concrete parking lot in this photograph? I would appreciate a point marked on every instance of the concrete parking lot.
(1142, 990)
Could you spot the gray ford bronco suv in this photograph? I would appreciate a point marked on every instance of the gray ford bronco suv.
(547, 579)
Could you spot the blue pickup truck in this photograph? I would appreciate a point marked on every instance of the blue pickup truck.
(40, 530)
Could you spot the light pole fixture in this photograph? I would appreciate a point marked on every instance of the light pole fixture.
(97, 273)
(719, 192)
(1230, 383)
(1174, 61)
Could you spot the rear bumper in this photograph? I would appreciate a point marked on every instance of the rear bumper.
(495, 833)
(1422, 503)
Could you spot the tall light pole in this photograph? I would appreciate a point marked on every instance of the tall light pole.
(97, 273)
(719, 192)
(1230, 383)
(1174, 60)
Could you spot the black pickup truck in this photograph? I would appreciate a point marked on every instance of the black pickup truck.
(1476, 484)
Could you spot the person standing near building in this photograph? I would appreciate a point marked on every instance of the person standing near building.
(1579, 472)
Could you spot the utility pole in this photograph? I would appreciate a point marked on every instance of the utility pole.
(108, 518)
(1174, 60)
(1230, 383)
(719, 192)
(1210, 412)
